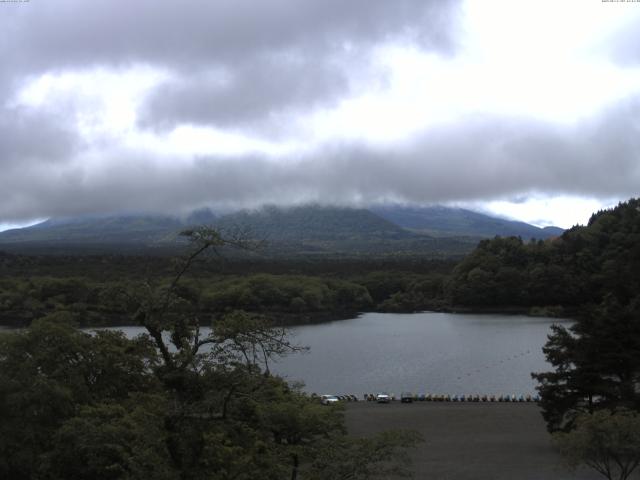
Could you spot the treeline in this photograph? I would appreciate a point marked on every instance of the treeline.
(556, 277)
(23, 300)
(287, 291)
(118, 266)
(591, 274)
(284, 299)
(177, 402)
(575, 270)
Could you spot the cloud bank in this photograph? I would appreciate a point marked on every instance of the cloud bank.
(168, 106)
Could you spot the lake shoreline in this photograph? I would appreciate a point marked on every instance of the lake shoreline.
(288, 319)
(431, 353)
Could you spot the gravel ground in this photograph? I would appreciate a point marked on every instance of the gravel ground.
(470, 441)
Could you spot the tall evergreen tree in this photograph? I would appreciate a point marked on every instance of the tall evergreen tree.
(596, 364)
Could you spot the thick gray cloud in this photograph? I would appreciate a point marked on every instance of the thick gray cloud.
(42, 36)
(247, 95)
(276, 54)
(30, 136)
(484, 157)
(251, 66)
(300, 55)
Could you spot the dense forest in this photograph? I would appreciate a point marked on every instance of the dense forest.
(577, 269)
(175, 404)
(285, 291)
(301, 231)
(559, 277)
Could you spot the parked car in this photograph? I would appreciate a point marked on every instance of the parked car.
(328, 399)
(406, 397)
(383, 398)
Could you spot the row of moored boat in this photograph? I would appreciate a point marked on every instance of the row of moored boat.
(370, 397)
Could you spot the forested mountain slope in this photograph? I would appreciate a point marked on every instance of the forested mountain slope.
(299, 230)
(447, 221)
(580, 267)
(302, 230)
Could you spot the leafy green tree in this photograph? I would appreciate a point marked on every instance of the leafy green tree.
(173, 403)
(51, 370)
(224, 415)
(582, 267)
(606, 441)
(596, 364)
(228, 414)
(383, 456)
(110, 441)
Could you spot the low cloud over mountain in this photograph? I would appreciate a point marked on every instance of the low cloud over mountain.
(166, 107)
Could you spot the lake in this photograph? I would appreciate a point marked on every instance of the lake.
(420, 352)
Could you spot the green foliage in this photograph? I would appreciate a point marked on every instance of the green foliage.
(421, 292)
(592, 271)
(313, 223)
(383, 456)
(172, 404)
(443, 221)
(582, 266)
(286, 293)
(283, 298)
(112, 441)
(596, 364)
(309, 230)
(76, 406)
(50, 371)
(606, 441)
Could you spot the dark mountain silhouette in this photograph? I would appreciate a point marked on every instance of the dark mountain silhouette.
(308, 229)
(444, 221)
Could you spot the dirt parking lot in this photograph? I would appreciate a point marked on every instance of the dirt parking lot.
(470, 441)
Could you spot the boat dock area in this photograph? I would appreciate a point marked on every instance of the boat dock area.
(456, 398)
(429, 397)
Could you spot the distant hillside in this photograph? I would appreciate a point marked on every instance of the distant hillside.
(314, 223)
(98, 229)
(583, 266)
(313, 229)
(304, 230)
(444, 221)
(301, 230)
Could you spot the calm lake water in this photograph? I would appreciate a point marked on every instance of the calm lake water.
(422, 352)
(419, 352)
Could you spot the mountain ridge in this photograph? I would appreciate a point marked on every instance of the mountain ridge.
(453, 221)
(308, 229)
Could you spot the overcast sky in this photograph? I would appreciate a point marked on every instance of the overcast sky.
(529, 109)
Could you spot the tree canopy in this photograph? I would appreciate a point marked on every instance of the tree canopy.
(170, 404)
(606, 441)
(596, 364)
(580, 268)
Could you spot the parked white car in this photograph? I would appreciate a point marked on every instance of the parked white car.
(383, 398)
(328, 399)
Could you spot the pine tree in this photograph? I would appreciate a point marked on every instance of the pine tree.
(596, 364)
